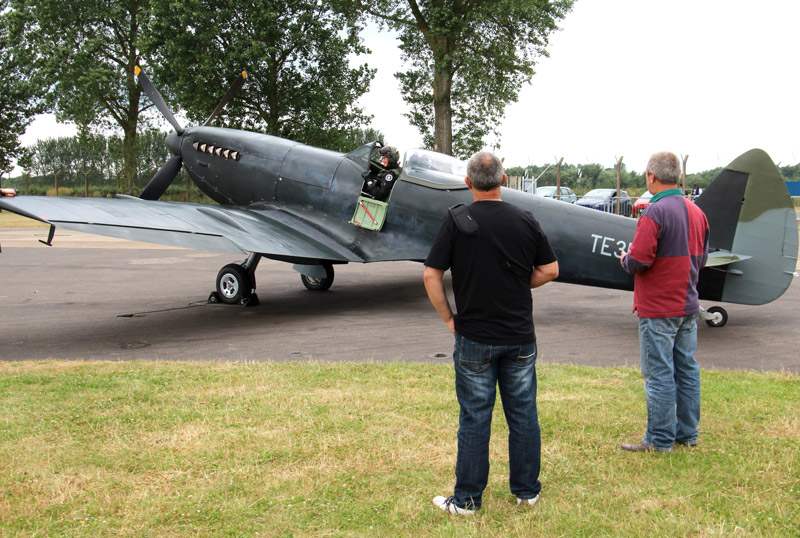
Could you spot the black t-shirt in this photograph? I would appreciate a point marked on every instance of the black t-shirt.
(493, 304)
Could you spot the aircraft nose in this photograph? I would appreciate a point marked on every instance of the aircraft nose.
(173, 142)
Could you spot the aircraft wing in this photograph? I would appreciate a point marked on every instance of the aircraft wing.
(268, 230)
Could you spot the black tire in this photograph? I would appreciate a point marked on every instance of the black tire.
(319, 284)
(717, 310)
(233, 284)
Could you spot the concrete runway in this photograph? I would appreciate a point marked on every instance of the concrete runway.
(92, 297)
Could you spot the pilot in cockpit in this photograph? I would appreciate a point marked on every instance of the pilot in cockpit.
(379, 185)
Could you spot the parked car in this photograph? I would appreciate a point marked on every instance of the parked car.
(641, 203)
(606, 200)
(550, 192)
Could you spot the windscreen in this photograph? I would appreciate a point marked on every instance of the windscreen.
(435, 168)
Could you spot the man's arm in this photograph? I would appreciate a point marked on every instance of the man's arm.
(542, 274)
(642, 251)
(434, 286)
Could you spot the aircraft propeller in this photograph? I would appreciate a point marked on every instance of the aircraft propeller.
(165, 175)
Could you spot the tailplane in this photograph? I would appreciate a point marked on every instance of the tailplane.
(753, 233)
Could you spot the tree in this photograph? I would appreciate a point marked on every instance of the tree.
(19, 91)
(87, 51)
(299, 81)
(469, 59)
(791, 173)
(152, 153)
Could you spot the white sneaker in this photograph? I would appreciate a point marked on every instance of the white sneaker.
(529, 502)
(448, 504)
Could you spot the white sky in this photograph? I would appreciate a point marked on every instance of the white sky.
(707, 78)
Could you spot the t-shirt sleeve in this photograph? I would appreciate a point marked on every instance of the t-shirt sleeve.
(441, 252)
(544, 251)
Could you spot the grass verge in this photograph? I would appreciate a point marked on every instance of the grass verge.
(12, 220)
(310, 449)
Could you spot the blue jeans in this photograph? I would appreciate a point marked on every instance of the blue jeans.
(671, 380)
(479, 369)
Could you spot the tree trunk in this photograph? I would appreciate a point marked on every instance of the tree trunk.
(129, 158)
(443, 113)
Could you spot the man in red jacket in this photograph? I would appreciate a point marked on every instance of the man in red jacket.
(668, 251)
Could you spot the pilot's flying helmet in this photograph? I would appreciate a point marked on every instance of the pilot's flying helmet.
(392, 153)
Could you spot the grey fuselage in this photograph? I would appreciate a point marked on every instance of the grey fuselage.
(322, 188)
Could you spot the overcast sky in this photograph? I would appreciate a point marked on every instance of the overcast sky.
(705, 78)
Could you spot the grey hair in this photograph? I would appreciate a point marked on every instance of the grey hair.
(485, 171)
(665, 166)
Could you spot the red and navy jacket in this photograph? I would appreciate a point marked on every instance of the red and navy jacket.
(668, 251)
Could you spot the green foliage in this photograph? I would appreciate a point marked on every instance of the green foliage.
(97, 160)
(791, 173)
(19, 90)
(299, 81)
(86, 52)
(583, 177)
(593, 176)
(358, 137)
(74, 158)
(468, 61)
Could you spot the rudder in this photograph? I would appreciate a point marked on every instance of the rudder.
(750, 214)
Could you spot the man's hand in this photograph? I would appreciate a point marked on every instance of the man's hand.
(434, 286)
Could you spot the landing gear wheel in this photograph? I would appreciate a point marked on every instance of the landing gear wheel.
(233, 284)
(716, 316)
(319, 284)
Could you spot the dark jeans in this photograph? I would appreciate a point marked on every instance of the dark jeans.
(479, 369)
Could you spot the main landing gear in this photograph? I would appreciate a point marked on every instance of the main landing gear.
(319, 283)
(236, 282)
(716, 316)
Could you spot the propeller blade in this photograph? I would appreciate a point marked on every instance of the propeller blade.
(154, 96)
(227, 97)
(162, 179)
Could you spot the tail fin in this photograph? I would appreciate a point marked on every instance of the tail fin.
(751, 217)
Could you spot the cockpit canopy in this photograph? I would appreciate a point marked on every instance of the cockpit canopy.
(420, 166)
(435, 168)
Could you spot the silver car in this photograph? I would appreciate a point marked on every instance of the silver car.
(550, 192)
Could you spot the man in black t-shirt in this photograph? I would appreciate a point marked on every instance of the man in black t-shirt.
(493, 272)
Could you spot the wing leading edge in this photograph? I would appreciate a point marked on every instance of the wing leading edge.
(268, 230)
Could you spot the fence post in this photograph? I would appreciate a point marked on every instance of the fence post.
(683, 175)
(558, 179)
(86, 184)
(27, 178)
(187, 185)
(619, 167)
(55, 179)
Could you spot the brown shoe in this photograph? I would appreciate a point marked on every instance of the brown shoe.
(638, 447)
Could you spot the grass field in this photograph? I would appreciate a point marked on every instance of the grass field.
(309, 449)
(12, 220)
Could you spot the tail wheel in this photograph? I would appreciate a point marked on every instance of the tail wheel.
(716, 316)
(233, 284)
(319, 284)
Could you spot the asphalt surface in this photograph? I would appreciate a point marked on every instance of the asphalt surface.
(90, 297)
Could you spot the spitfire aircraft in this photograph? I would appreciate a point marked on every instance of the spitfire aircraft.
(303, 205)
